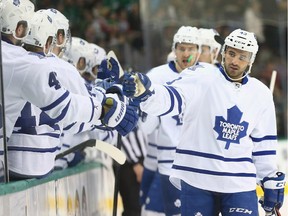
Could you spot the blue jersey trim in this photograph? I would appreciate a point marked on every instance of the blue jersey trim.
(93, 110)
(172, 102)
(264, 153)
(212, 156)
(165, 148)
(269, 137)
(25, 149)
(151, 156)
(209, 172)
(56, 103)
(152, 144)
(165, 161)
(178, 97)
(172, 66)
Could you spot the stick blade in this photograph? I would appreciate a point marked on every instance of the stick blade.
(112, 151)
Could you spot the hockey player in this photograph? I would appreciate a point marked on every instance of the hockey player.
(22, 69)
(229, 137)
(210, 48)
(186, 47)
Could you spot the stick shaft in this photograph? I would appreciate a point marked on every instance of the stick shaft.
(117, 176)
(273, 80)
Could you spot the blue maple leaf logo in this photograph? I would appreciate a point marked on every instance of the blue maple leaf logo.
(231, 130)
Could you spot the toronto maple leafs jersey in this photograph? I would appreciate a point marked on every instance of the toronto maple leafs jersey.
(229, 132)
(29, 77)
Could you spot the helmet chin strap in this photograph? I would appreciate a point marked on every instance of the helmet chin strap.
(237, 79)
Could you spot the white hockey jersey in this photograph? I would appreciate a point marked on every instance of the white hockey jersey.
(229, 134)
(30, 77)
(168, 131)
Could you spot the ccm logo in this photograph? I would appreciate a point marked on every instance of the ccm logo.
(280, 184)
(241, 210)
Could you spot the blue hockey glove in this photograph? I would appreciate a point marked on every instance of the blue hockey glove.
(129, 122)
(137, 86)
(116, 89)
(111, 68)
(129, 85)
(116, 115)
(273, 192)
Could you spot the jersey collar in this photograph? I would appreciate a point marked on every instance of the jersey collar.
(172, 66)
(244, 80)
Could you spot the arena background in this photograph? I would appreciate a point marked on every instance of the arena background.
(141, 32)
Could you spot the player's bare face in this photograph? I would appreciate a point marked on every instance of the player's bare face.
(236, 62)
(186, 55)
(206, 54)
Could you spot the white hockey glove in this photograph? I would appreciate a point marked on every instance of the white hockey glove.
(273, 193)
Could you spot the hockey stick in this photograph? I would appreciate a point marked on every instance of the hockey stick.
(273, 80)
(116, 183)
(105, 147)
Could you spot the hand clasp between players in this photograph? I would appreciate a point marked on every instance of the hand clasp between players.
(137, 86)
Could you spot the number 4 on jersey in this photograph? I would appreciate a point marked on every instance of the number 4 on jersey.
(53, 81)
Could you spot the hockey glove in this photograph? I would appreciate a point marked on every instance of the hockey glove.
(273, 192)
(111, 68)
(137, 86)
(116, 115)
(116, 89)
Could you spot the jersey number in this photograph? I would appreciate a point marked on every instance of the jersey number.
(53, 82)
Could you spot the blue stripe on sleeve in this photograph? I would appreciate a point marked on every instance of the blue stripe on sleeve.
(172, 101)
(57, 102)
(93, 110)
(81, 128)
(178, 97)
(271, 137)
(263, 153)
(69, 126)
(64, 112)
(166, 148)
(152, 144)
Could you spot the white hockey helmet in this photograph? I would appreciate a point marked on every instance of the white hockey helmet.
(42, 28)
(207, 38)
(14, 13)
(170, 57)
(62, 23)
(242, 40)
(95, 56)
(78, 53)
(187, 34)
